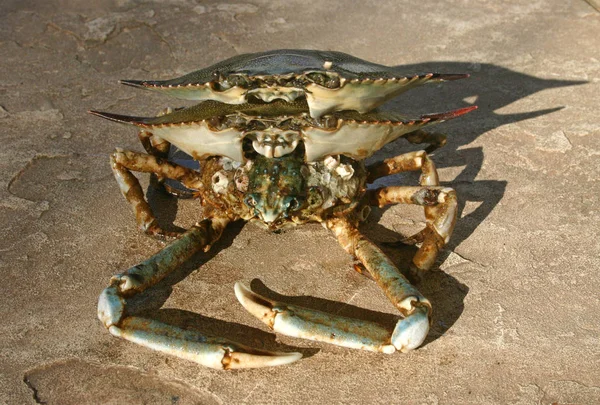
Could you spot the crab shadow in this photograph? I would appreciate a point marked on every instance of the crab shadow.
(491, 88)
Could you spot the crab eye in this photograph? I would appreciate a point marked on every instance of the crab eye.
(318, 78)
(215, 123)
(292, 204)
(325, 80)
(332, 82)
(250, 201)
(237, 80)
(329, 122)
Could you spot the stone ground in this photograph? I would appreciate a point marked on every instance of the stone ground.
(516, 303)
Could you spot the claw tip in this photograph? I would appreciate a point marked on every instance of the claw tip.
(266, 359)
(259, 306)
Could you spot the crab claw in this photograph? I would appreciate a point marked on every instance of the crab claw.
(310, 324)
(217, 353)
(213, 352)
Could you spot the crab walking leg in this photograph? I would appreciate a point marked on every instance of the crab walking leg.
(435, 139)
(440, 206)
(212, 352)
(440, 203)
(418, 160)
(153, 144)
(122, 162)
(411, 331)
(311, 324)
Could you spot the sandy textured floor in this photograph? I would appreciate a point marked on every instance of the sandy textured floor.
(516, 303)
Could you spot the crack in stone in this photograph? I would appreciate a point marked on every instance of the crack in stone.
(160, 37)
(27, 166)
(455, 259)
(226, 42)
(33, 389)
(594, 4)
(18, 175)
(469, 260)
(95, 383)
(65, 31)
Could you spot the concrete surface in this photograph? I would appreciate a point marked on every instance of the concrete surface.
(516, 303)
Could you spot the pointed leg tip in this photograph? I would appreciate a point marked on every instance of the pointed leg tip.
(449, 114)
(282, 359)
(249, 298)
(133, 83)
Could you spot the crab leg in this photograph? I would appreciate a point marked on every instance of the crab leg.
(440, 213)
(212, 352)
(440, 203)
(311, 324)
(411, 161)
(122, 162)
(434, 139)
(153, 144)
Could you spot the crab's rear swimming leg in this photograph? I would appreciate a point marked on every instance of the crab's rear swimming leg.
(209, 351)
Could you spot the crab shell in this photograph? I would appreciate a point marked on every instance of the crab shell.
(330, 81)
(213, 128)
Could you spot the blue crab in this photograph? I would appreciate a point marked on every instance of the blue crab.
(328, 81)
(281, 139)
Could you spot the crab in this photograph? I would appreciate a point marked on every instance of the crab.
(328, 81)
(281, 138)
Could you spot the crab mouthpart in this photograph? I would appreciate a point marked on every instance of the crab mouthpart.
(269, 216)
(274, 142)
(276, 92)
(273, 208)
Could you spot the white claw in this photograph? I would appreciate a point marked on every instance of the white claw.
(411, 331)
(250, 360)
(211, 352)
(258, 306)
(111, 307)
(306, 323)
